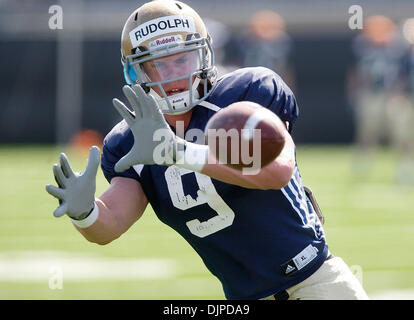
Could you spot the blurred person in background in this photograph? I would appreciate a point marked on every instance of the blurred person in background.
(266, 43)
(405, 173)
(221, 35)
(376, 87)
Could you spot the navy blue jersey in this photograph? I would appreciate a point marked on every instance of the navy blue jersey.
(255, 242)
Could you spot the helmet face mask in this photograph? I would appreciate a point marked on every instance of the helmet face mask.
(168, 56)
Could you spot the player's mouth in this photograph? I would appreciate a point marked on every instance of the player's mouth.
(174, 91)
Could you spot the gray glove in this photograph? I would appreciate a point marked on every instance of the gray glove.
(75, 191)
(148, 125)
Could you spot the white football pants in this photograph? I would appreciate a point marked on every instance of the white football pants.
(332, 281)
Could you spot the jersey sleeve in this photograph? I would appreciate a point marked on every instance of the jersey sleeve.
(269, 90)
(117, 144)
(260, 85)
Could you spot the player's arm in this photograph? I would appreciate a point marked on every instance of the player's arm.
(120, 206)
(276, 175)
(99, 220)
(270, 91)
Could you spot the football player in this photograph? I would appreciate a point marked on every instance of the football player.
(377, 91)
(258, 234)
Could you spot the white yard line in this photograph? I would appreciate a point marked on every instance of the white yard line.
(407, 294)
(44, 265)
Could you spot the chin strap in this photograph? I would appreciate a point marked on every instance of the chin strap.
(182, 99)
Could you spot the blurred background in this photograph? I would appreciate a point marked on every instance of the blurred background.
(351, 67)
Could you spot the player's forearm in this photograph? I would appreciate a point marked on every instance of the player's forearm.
(259, 181)
(105, 229)
(119, 206)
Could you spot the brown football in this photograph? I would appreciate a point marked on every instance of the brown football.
(245, 135)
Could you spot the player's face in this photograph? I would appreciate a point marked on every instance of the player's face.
(171, 67)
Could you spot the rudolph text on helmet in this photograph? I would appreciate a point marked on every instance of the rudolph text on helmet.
(161, 26)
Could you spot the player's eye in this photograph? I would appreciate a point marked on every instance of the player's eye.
(181, 60)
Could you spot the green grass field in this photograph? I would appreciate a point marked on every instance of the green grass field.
(369, 223)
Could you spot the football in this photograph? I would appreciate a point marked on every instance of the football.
(245, 135)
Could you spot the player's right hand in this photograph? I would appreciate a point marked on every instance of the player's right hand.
(75, 191)
(145, 119)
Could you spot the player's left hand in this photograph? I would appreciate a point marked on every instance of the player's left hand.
(75, 191)
(145, 120)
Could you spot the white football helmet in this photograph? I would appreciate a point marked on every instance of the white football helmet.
(166, 49)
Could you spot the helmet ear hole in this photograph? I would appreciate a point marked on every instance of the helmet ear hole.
(145, 87)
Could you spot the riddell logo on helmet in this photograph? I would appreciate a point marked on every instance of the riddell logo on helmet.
(178, 100)
(161, 26)
(166, 40)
